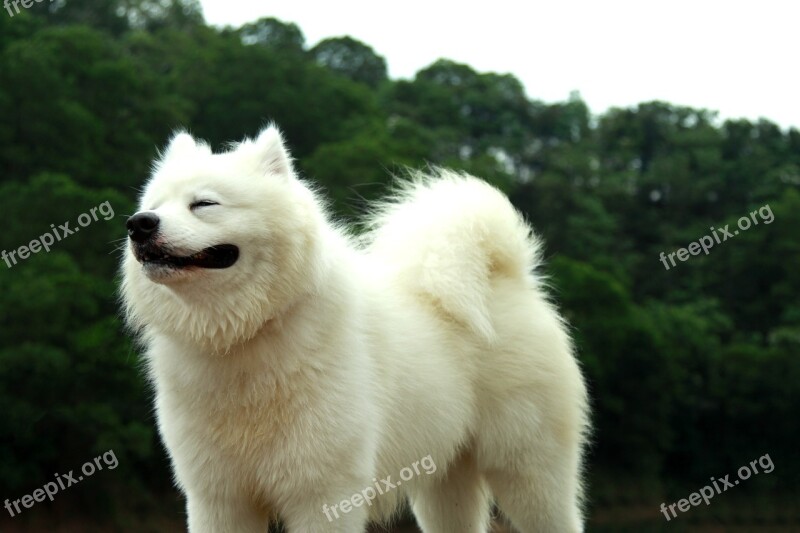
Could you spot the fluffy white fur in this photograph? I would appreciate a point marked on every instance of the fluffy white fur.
(319, 363)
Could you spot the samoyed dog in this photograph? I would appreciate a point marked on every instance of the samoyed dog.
(304, 373)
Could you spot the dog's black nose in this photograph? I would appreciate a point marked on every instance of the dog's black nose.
(142, 226)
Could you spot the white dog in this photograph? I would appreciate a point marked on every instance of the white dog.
(306, 374)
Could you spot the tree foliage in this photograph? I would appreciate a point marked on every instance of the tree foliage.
(352, 59)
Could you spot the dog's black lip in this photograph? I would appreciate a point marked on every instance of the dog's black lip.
(215, 257)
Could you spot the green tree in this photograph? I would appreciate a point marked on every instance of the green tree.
(351, 58)
(274, 34)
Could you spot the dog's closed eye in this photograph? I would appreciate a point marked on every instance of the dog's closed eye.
(202, 203)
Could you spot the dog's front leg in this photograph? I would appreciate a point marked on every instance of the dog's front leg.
(307, 516)
(218, 515)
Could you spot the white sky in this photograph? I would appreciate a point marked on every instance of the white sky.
(739, 58)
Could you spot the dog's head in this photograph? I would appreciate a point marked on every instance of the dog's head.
(221, 242)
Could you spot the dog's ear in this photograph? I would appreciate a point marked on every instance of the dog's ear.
(181, 143)
(273, 157)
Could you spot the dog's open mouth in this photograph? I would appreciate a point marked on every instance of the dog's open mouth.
(219, 256)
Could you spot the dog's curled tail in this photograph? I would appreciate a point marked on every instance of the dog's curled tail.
(446, 236)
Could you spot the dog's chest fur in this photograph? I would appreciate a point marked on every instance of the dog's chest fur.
(240, 415)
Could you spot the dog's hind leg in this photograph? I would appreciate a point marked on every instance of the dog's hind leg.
(536, 481)
(535, 503)
(457, 503)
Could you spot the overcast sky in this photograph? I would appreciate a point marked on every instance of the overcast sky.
(739, 58)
